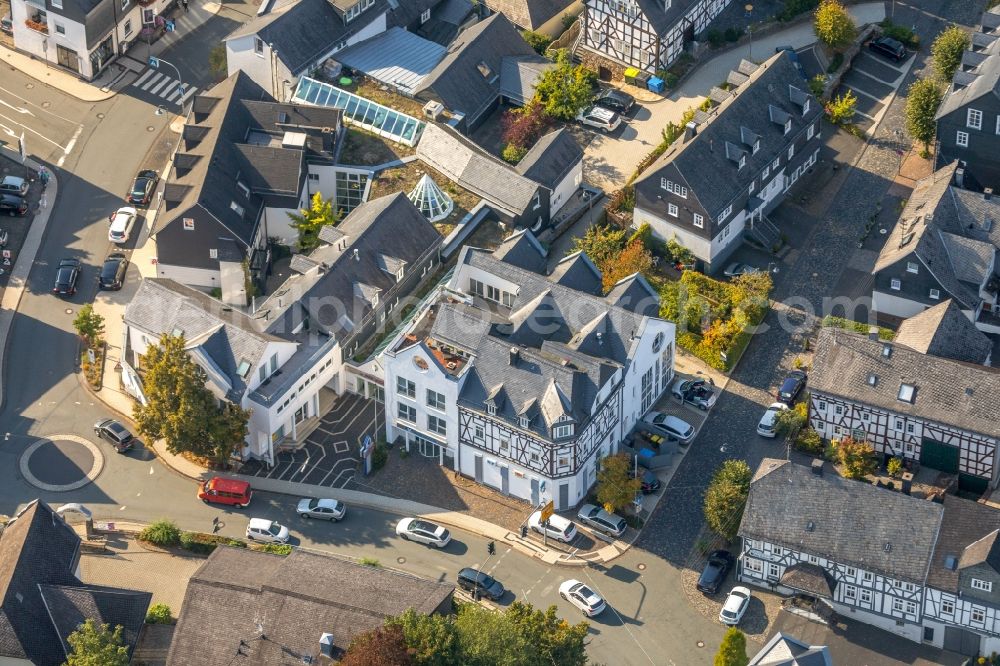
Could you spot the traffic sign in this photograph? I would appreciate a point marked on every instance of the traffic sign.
(547, 511)
(154, 62)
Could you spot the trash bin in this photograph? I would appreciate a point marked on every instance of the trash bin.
(656, 84)
(642, 79)
(630, 75)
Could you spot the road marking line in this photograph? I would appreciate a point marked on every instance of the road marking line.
(159, 75)
(862, 92)
(190, 91)
(151, 471)
(625, 626)
(156, 89)
(32, 130)
(873, 77)
(145, 75)
(166, 91)
(69, 146)
(122, 507)
(174, 94)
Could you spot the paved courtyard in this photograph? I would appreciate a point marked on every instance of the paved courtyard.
(329, 456)
(874, 81)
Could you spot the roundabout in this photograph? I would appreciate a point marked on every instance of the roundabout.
(61, 463)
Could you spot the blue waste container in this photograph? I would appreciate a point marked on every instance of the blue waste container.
(656, 84)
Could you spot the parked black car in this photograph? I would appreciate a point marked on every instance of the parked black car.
(888, 47)
(113, 272)
(714, 573)
(116, 433)
(792, 385)
(650, 484)
(615, 100)
(142, 187)
(480, 584)
(66, 277)
(13, 205)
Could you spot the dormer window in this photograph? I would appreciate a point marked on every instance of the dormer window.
(805, 106)
(756, 146)
(743, 161)
(399, 274)
(491, 409)
(788, 126)
(244, 368)
(907, 392)
(236, 208)
(523, 421)
(485, 70)
(356, 10)
(243, 188)
(561, 431)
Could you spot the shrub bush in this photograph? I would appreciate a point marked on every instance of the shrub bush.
(900, 33)
(836, 62)
(856, 326)
(202, 544)
(816, 84)
(716, 38)
(894, 466)
(513, 154)
(274, 548)
(161, 533)
(379, 456)
(159, 614)
(809, 441)
(793, 8)
(370, 562)
(733, 34)
(670, 80)
(537, 41)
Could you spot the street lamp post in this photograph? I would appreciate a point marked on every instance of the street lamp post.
(749, 8)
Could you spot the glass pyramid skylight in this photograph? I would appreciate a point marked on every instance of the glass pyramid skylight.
(430, 200)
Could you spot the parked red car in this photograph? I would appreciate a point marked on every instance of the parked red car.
(225, 491)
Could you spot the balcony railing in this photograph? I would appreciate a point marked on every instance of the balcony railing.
(37, 26)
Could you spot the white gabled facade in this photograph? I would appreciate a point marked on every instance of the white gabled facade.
(620, 31)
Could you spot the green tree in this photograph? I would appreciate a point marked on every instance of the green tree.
(733, 650)
(181, 410)
(159, 614)
(520, 636)
(556, 640)
(97, 645)
(601, 243)
(308, 221)
(89, 325)
(857, 458)
(383, 646)
(217, 64)
(537, 41)
(678, 253)
(922, 101)
(634, 258)
(616, 488)
(726, 497)
(833, 25)
(565, 89)
(947, 50)
(790, 421)
(841, 109)
(431, 639)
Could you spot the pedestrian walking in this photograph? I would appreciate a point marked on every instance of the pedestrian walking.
(184, 3)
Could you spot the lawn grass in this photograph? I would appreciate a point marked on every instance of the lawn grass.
(363, 148)
(404, 178)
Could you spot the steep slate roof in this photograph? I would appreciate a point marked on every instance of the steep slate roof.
(474, 170)
(551, 158)
(844, 528)
(529, 14)
(457, 80)
(42, 601)
(235, 135)
(948, 392)
(968, 535)
(636, 294)
(226, 336)
(578, 272)
(758, 104)
(519, 75)
(296, 598)
(305, 30)
(523, 250)
(978, 79)
(784, 650)
(376, 234)
(934, 228)
(945, 331)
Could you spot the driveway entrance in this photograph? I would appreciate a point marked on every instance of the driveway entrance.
(329, 456)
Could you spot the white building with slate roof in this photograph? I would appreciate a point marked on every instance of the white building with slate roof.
(523, 381)
(927, 571)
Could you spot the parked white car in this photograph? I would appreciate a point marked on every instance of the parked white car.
(423, 531)
(589, 602)
(767, 422)
(268, 531)
(558, 528)
(121, 225)
(736, 605)
(601, 118)
(324, 509)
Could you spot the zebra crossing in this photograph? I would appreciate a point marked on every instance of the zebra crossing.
(158, 84)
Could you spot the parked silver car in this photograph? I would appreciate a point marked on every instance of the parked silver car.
(324, 509)
(601, 520)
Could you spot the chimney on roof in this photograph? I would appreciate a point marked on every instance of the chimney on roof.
(515, 354)
(357, 256)
(988, 193)
(600, 338)
(817, 466)
(326, 645)
(873, 333)
(690, 131)
(960, 177)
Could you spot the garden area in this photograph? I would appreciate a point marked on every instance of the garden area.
(90, 327)
(361, 148)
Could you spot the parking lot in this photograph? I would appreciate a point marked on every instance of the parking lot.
(14, 229)
(874, 80)
(329, 456)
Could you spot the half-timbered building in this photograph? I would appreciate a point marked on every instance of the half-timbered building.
(522, 380)
(928, 571)
(936, 411)
(647, 34)
(734, 164)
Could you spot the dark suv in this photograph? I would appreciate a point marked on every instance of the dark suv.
(13, 205)
(117, 434)
(888, 47)
(480, 584)
(790, 388)
(113, 272)
(714, 573)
